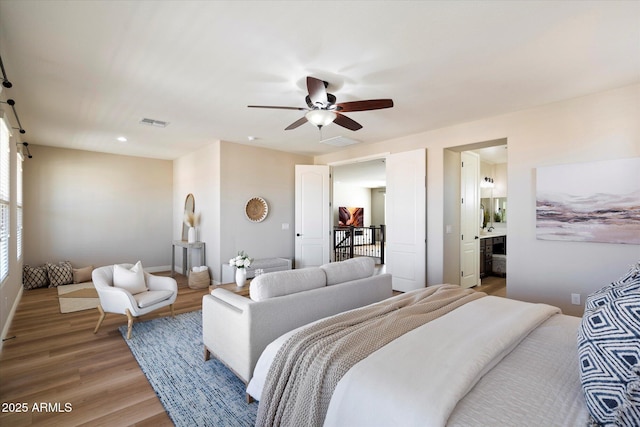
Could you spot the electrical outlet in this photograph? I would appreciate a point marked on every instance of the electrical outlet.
(575, 299)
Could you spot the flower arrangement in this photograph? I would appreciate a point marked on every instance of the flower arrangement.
(191, 219)
(240, 261)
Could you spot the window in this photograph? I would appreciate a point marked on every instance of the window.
(4, 199)
(19, 203)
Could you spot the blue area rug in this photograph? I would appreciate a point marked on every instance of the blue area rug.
(193, 392)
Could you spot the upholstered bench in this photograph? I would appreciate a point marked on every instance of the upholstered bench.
(500, 264)
(267, 265)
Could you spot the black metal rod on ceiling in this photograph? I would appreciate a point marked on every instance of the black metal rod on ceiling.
(5, 81)
(15, 113)
(26, 147)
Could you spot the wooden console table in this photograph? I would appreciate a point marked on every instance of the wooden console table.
(243, 291)
(186, 255)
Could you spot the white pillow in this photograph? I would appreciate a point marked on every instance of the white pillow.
(129, 279)
(351, 269)
(280, 283)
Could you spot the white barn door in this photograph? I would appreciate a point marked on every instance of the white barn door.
(312, 210)
(406, 219)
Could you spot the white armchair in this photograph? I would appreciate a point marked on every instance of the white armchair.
(162, 291)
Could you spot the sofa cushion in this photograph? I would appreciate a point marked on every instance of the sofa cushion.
(279, 283)
(148, 298)
(81, 275)
(129, 279)
(60, 274)
(34, 277)
(351, 269)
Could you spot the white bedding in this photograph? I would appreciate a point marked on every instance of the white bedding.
(428, 370)
(537, 384)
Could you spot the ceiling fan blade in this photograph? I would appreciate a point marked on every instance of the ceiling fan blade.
(297, 123)
(371, 104)
(278, 108)
(317, 91)
(346, 122)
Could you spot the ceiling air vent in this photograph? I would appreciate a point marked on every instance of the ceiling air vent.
(339, 141)
(153, 122)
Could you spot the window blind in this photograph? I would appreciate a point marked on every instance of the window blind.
(4, 199)
(19, 206)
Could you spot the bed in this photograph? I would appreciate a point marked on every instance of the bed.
(488, 361)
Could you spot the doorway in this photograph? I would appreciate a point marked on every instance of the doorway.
(359, 210)
(493, 164)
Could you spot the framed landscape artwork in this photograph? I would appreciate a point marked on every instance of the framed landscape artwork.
(589, 202)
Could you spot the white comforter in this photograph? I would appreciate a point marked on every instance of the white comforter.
(418, 378)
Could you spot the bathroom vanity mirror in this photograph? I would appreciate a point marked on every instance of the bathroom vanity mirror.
(189, 207)
(495, 210)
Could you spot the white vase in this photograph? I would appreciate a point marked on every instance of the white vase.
(241, 277)
(192, 235)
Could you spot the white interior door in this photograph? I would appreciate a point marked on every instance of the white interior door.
(313, 237)
(406, 219)
(469, 220)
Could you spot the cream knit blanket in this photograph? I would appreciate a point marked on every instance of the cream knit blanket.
(307, 368)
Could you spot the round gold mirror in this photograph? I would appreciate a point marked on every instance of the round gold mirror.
(189, 208)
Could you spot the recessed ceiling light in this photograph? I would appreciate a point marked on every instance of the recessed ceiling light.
(121, 139)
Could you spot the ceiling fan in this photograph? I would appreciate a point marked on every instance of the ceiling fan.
(322, 108)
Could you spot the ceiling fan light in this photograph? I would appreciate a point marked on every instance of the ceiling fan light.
(320, 117)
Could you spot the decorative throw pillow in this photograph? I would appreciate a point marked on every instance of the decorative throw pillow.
(609, 359)
(129, 279)
(628, 283)
(60, 274)
(34, 277)
(81, 275)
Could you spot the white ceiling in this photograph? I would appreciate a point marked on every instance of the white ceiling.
(86, 72)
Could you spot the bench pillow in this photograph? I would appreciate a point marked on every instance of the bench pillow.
(346, 271)
(279, 283)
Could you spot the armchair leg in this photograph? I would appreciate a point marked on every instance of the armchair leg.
(101, 319)
(173, 314)
(129, 324)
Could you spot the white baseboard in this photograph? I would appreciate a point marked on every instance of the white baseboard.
(158, 268)
(12, 313)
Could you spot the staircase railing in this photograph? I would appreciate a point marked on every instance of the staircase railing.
(349, 242)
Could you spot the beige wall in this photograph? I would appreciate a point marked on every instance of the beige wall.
(248, 172)
(198, 173)
(96, 209)
(596, 127)
(451, 208)
(223, 177)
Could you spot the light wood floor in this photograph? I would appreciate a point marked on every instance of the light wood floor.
(493, 285)
(56, 359)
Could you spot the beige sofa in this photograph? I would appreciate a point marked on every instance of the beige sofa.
(237, 329)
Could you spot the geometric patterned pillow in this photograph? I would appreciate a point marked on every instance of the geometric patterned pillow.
(632, 274)
(609, 360)
(630, 282)
(611, 292)
(61, 274)
(34, 277)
